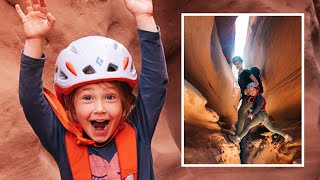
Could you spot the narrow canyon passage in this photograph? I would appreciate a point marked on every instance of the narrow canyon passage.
(212, 95)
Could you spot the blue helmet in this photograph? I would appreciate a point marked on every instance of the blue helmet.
(237, 58)
(252, 85)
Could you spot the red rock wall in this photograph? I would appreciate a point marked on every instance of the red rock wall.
(226, 32)
(206, 67)
(204, 140)
(274, 45)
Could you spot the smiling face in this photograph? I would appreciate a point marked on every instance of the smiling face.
(253, 91)
(98, 109)
(238, 64)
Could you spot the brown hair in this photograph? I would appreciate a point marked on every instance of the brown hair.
(127, 97)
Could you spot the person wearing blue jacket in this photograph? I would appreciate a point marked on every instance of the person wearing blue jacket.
(258, 115)
(95, 128)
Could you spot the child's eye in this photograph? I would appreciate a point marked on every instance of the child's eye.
(87, 98)
(110, 97)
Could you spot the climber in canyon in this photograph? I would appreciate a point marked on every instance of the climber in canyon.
(258, 115)
(245, 76)
(92, 128)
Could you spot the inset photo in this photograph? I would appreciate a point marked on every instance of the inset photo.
(242, 89)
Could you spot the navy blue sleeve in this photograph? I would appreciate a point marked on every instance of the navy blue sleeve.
(152, 85)
(35, 106)
(257, 105)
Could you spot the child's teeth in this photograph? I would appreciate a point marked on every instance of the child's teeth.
(100, 124)
(100, 120)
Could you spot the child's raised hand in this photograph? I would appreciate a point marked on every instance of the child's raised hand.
(143, 12)
(37, 22)
(139, 7)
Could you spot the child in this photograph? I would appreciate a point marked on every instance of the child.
(258, 115)
(85, 129)
(244, 78)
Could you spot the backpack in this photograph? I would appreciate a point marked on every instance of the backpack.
(256, 72)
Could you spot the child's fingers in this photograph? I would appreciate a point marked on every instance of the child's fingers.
(36, 5)
(43, 3)
(43, 7)
(28, 6)
(19, 11)
(51, 20)
(43, 10)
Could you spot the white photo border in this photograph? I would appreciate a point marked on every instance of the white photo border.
(182, 90)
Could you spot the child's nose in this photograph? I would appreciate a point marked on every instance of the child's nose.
(100, 107)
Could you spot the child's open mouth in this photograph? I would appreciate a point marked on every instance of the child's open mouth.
(99, 124)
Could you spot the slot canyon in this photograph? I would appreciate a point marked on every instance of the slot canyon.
(274, 46)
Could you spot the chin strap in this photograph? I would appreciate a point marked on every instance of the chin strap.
(63, 117)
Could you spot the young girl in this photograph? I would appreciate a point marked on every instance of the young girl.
(258, 115)
(85, 127)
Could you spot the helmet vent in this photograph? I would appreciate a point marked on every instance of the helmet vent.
(74, 50)
(132, 67)
(112, 67)
(63, 76)
(88, 70)
(115, 46)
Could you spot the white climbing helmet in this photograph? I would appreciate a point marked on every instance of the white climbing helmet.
(92, 59)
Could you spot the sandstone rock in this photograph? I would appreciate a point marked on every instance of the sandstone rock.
(207, 146)
(274, 46)
(226, 33)
(204, 143)
(207, 69)
(195, 110)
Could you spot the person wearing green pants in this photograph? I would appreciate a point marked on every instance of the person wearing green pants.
(258, 115)
(245, 106)
(244, 78)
